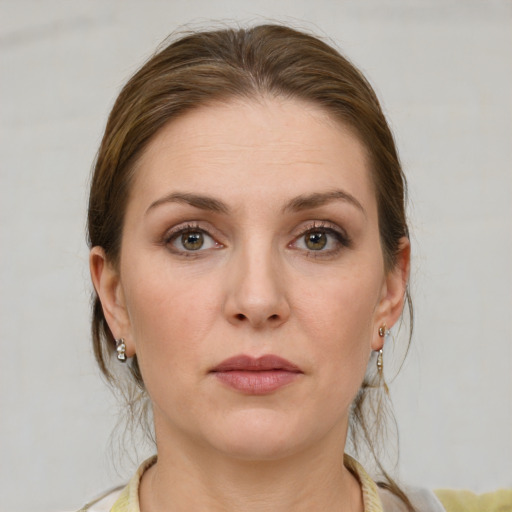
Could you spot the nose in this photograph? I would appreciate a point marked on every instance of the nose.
(256, 291)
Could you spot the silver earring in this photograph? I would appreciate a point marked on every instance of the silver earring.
(383, 332)
(380, 362)
(121, 350)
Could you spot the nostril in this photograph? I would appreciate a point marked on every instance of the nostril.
(273, 317)
(240, 316)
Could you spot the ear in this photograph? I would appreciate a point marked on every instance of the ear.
(393, 293)
(107, 283)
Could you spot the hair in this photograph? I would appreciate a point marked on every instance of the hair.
(243, 63)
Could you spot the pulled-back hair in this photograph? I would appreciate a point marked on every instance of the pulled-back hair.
(264, 61)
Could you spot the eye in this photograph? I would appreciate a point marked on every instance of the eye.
(190, 239)
(315, 240)
(321, 239)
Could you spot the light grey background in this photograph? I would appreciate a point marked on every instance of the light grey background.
(444, 72)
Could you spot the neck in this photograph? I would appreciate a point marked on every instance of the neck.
(194, 479)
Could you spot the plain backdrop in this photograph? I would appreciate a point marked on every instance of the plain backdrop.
(443, 70)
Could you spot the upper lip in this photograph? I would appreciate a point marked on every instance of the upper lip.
(248, 363)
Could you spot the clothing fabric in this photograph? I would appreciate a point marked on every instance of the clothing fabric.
(497, 501)
(375, 499)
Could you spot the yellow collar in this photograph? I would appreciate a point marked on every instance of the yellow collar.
(128, 500)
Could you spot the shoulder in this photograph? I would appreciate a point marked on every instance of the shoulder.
(379, 499)
(446, 500)
(423, 500)
(466, 501)
(104, 502)
(120, 499)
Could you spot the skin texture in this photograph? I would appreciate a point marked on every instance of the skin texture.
(255, 287)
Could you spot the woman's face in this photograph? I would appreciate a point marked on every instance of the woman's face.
(251, 234)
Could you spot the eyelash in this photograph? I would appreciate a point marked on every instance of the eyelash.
(341, 238)
(178, 231)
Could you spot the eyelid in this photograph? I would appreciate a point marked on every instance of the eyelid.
(321, 225)
(342, 239)
(191, 226)
(341, 236)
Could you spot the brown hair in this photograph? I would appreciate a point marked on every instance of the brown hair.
(202, 67)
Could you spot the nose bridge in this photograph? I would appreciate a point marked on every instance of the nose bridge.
(256, 295)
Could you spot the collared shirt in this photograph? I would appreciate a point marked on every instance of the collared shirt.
(375, 499)
(127, 500)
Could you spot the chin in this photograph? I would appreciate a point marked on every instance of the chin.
(261, 436)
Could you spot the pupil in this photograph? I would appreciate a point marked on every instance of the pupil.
(316, 241)
(192, 241)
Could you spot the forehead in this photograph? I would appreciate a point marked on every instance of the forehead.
(269, 146)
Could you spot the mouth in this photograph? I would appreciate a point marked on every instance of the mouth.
(256, 364)
(256, 376)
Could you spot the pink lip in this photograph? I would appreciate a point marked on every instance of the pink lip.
(256, 376)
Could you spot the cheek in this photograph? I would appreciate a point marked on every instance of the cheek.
(170, 320)
(169, 316)
(340, 320)
(343, 306)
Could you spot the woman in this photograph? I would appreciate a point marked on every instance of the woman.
(250, 252)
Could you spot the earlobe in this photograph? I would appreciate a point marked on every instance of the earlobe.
(395, 288)
(106, 281)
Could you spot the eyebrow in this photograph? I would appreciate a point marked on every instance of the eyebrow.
(317, 199)
(198, 201)
(297, 204)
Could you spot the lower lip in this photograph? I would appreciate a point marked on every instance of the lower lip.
(257, 382)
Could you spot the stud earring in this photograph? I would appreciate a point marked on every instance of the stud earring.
(121, 350)
(383, 331)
